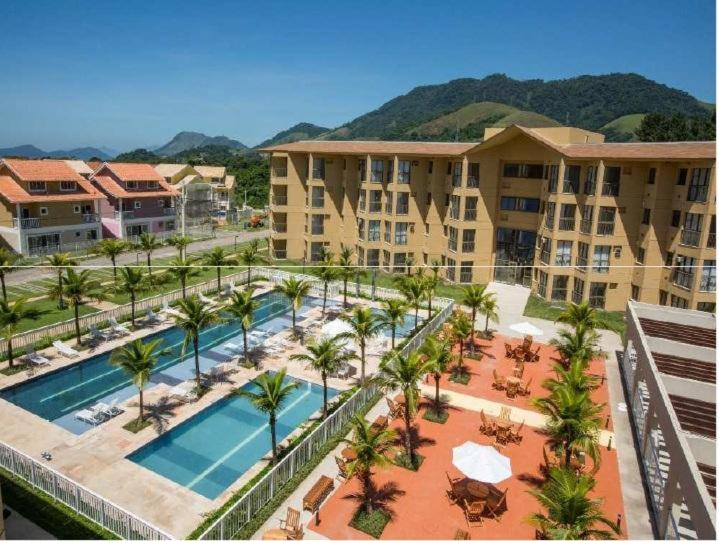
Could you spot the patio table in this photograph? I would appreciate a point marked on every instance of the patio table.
(275, 533)
(348, 454)
(478, 489)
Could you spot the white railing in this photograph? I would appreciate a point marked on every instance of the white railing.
(84, 501)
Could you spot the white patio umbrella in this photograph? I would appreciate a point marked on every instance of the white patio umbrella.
(481, 462)
(527, 329)
(335, 327)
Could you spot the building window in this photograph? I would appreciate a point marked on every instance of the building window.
(454, 203)
(44, 211)
(563, 256)
(317, 251)
(400, 233)
(640, 255)
(684, 271)
(362, 199)
(390, 170)
(610, 186)
(600, 260)
(360, 228)
(553, 178)
(708, 280)
(542, 284)
(545, 250)
(457, 174)
(36, 186)
(571, 179)
(597, 294)
(430, 166)
(385, 260)
(470, 209)
(451, 269)
(465, 272)
(377, 175)
(578, 291)
(318, 224)
(76, 209)
(523, 204)
(699, 185)
(468, 236)
(590, 182)
(373, 258)
(646, 216)
(585, 225)
(388, 203)
(403, 203)
(404, 172)
(524, 170)
(400, 262)
(549, 216)
(68, 186)
(566, 217)
(692, 229)
(679, 302)
(706, 306)
(635, 293)
(605, 223)
(676, 218)
(473, 175)
(652, 175)
(452, 239)
(318, 197)
(663, 297)
(559, 288)
(362, 169)
(137, 204)
(318, 168)
(373, 230)
(682, 177)
(711, 237)
(375, 201)
(582, 255)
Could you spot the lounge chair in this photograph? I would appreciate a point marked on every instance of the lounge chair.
(97, 335)
(151, 318)
(508, 350)
(291, 524)
(473, 512)
(116, 327)
(512, 390)
(494, 509)
(461, 535)
(182, 392)
(342, 474)
(35, 358)
(452, 495)
(226, 289)
(64, 350)
(525, 390)
(395, 410)
(206, 300)
(499, 382)
(89, 416)
(111, 409)
(516, 435)
(167, 309)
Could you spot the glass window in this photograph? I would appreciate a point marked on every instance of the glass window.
(676, 218)
(600, 261)
(682, 176)
(646, 216)
(373, 230)
(605, 223)
(452, 239)
(403, 203)
(400, 233)
(318, 168)
(571, 179)
(388, 231)
(597, 294)
(553, 177)
(652, 175)
(318, 224)
(578, 291)
(612, 175)
(468, 236)
(470, 208)
(451, 269)
(699, 185)
(318, 197)
(454, 203)
(360, 228)
(590, 182)
(473, 175)
(404, 172)
(559, 288)
(375, 201)
(457, 174)
(465, 272)
(377, 175)
(709, 276)
(563, 256)
(524, 170)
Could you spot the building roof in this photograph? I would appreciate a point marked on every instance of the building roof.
(108, 185)
(41, 170)
(79, 167)
(170, 169)
(13, 192)
(685, 150)
(373, 147)
(229, 181)
(132, 171)
(210, 170)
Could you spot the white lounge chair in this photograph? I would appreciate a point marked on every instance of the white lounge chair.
(116, 327)
(151, 318)
(67, 351)
(167, 309)
(89, 416)
(35, 358)
(111, 409)
(97, 334)
(206, 300)
(183, 392)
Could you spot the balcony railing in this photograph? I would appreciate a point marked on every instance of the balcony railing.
(280, 200)
(549, 221)
(124, 215)
(375, 207)
(318, 203)
(698, 194)
(454, 213)
(581, 264)
(683, 278)
(610, 189)
(468, 247)
(576, 297)
(566, 224)
(708, 283)
(279, 254)
(27, 223)
(452, 245)
(318, 230)
(711, 240)
(597, 301)
(401, 240)
(470, 215)
(402, 209)
(563, 260)
(690, 237)
(373, 236)
(279, 227)
(90, 218)
(542, 289)
(585, 226)
(605, 228)
(279, 172)
(472, 182)
(600, 267)
(544, 256)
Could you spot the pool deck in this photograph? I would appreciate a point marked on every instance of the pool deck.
(96, 458)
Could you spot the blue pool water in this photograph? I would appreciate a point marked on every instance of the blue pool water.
(58, 395)
(212, 449)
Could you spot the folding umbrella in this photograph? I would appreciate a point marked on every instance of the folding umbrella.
(481, 462)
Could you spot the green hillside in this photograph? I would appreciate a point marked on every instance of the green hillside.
(623, 128)
(298, 132)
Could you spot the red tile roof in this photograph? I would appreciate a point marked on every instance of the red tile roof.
(108, 185)
(133, 171)
(15, 193)
(47, 170)
(685, 150)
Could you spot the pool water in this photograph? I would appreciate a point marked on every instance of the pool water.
(212, 449)
(58, 395)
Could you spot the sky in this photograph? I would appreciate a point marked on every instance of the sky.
(132, 73)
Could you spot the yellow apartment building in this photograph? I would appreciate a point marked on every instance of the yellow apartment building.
(556, 209)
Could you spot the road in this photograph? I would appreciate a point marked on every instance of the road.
(223, 238)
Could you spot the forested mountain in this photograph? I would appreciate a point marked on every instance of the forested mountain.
(187, 140)
(298, 132)
(31, 151)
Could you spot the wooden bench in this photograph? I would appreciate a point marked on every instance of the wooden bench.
(319, 491)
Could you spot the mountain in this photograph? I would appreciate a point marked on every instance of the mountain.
(298, 132)
(186, 140)
(587, 101)
(623, 128)
(31, 151)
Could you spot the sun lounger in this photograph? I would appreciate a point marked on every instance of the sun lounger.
(67, 351)
(183, 392)
(206, 300)
(110, 410)
(35, 358)
(151, 318)
(167, 309)
(116, 327)
(98, 335)
(89, 416)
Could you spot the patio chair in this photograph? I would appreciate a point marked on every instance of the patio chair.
(550, 460)
(512, 390)
(516, 435)
(495, 509)
(97, 335)
(461, 534)
(380, 423)
(116, 327)
(206, 300)
(473, 512)
(508, 350)
(110, 410)
(89, 416)
(527, 343)
(151, 318)
(342, 474)
(291, 524)
(486, 427)
(64, 350)
(167, 309)
(35, 358)
(534, 355)
(499, 381)
(395, 410)
(505, 413)
(524, 391)
(452, 495)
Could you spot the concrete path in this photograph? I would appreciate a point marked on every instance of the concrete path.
(18, 527)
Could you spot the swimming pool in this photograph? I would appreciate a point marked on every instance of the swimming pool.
(58, 395)
(213, 448)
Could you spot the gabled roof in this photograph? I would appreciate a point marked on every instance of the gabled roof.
(131, 171)
(79, 167)
(41, 170)
(108, 185)
(373, 147)
(13, 192)
(210, 170)
(170, 169)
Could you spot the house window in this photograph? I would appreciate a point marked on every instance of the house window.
(590, 182)
(708, 280)
(585, 225)
(692, 229)
(684, 271)
(682, 177)
(377, 175)
(373, 230)
(597, 294)
(679, 302)
(388, 203)
(373, 257)
(600, 261)
(76, 209)
(610, 186)
(563, 256)
(652, 175)
(473, 175)
(468, 236)
(578, 291)
(68, 186)
(524, 204)
(559, 288)
(699, 185)
(318, 224)
(317, 251)
(566, 217)
(318, 168)
(646, 216)
(138, 204)
(465, 272)
(676, 218)
(400, 262)
(404, 172)
(400, 233)
(36, 186)
(523, 170)
(44, 211)
(571, 179)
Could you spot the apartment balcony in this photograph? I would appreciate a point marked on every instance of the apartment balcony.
(585, 226)
(544, 256)
(468, 247)
(90, 218)
(697, 194)
(470, 215)
(373, 236)
(597, 301)
(605, 228)
(690, 237)
(549, 221)
(279, 200)
(279, 227)
(452, 245)
(279, 173)
(279, 254)
(708, 284)
(562, 260)
(317, 203)
(375, 207)
(683, 278)
(454, 214)
(581, 264)
(124, 215)
(172, 211)
(402, 209)
(610, 189)
(570, 187)
(576, 297)
(559, 294)
(566, 224)
(472, 182)
(26, 223)
(711, 240)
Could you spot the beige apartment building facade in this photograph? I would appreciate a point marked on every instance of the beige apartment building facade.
(555, 209)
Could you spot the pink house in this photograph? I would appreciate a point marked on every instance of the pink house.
(138, 200)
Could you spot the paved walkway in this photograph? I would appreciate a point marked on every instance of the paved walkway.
(18, 527)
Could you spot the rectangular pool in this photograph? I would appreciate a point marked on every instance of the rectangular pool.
(213, 448)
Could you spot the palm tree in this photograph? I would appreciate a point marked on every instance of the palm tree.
(573, 421)
(243, 307)
(8, 263)
(271, 395)
(431, 282)
(409, 263)
(346, 271)
(404, 373)
(490, 311)
(438, 354)
(327, 272)
(570, 513)
(138, 359)
(461, 330)
(579, 344)
(148, 243)
(193, 317)
(393, 313)
(364, 325)
(183, 270)
(11, 315)
(325, 356)
(371, 448)
(473, 297)
(218, 258)
(295, 290)
(573, 376)
(413, 289)
(78, 288)
(59, 262)
(251, 256)
(180, 242)
(132, 281)
(579, 314)
(111, 248)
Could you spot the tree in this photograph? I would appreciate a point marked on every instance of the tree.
(474, 297)
(132, 281)
(243, 307)
(325, 356)
(194, 316)
(658, 127)
(218, 258)
(489, 310)
(404, 373)
(371, 448)
(413, 289)
(138, 359)
(393, 313)
(438, 354)
(59, 262)
(570, 513)
(180, 243)
(148, 243)
(250, 257)
(573, 421)
(364, 325)
(8, 263)
(272, 393)
(431, 283)
(346, 271)
(579, 314)
(111, 248)
(295, 290)
(78, 288)
(574, 376)
(579, 344)
(327, 272)
(183, 270)
(461, 330)
(11, 315)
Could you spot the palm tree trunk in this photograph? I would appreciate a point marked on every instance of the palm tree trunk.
(486, 325)
(149, 263)
(4, 291)
(394, 332)
(132, 309)
(567, 454)
(183, 279)
(196, 346)
(416, 315)
(77, 324)
(293, 318)
(244, 341)
(273, 421)
(114, 268)
(474, 317)
(9, 351)
(142, 406)
(60, 302)
(324, 299)
(366, 480)
(362, 346)
(429, 306)
(437, 377)
(407, 433)
(324, 393)
(344, 301)
(218, 280)
(249, 274)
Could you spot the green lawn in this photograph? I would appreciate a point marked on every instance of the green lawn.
(49, 314)
(538, 307)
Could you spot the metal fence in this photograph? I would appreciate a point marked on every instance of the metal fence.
(82, 500)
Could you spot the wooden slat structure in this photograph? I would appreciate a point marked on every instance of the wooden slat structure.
(682, 367)
(687, 334)
(709, 474)
(695, 416)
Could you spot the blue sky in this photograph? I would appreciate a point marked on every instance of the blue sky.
(131, 73)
